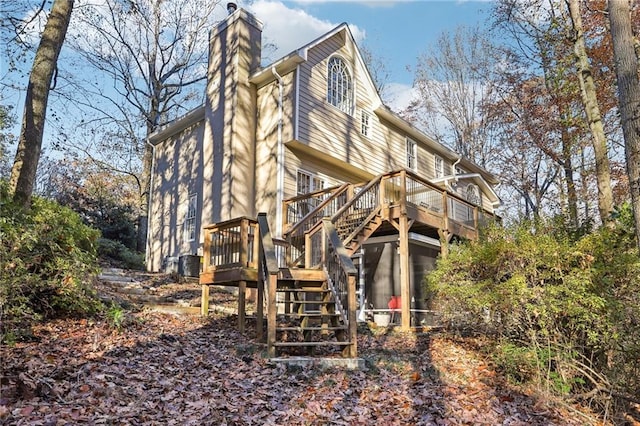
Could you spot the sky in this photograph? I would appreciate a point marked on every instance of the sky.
(395, 31)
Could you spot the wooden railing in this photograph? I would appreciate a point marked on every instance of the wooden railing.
(358, 210)
(231, 244)
(325, 247)
(396, 189)
(268, 282)
(303, 208)
(332, 202)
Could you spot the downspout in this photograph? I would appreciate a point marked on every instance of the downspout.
(453, 169)
(148, 242)
(280, 158)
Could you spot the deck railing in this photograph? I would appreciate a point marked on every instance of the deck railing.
(334, 199)
(231, 244)
(396, 189)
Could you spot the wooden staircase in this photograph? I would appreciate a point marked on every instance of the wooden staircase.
(307, 317)
(308, 308)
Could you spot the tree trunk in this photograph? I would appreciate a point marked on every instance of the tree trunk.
(25, 165)
(594, 118)
(145, 190)
(626, 63)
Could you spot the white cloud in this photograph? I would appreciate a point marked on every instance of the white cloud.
(369, 3)
(290, 28)
(398, 96)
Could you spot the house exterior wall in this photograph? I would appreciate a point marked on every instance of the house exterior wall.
(230, 119)
(267, 140)
(230, 157)
(177, 174)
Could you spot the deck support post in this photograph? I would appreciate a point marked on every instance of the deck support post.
(242, 305)
(204, 301)
(445, 239)
(405, 276)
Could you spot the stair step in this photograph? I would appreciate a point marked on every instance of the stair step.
(320, 343)
(306, 302)
(309, 315)
(303, 289)
(310, 328)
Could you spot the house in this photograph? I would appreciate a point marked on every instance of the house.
(300, 140)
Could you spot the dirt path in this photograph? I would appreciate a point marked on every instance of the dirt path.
(163, 368)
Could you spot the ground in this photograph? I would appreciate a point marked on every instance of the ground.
(160, 366)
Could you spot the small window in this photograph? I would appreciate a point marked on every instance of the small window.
(438, 167)
(190, 221)
(460, 170)
(339, 85)
(365, 123)
(412, 154)
(307, 182)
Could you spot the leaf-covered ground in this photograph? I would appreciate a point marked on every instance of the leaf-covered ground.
(162, 368)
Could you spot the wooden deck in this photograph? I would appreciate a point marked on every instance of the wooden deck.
(322, 231)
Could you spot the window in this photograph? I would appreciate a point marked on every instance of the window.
(307, 182)
(438, 167)
(190, 221)
(339, 86)
(473, 194)
(365, 123)
(412, 154)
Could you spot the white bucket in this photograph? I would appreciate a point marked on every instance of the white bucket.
(382, 320)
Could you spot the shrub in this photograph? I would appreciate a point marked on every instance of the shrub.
(47, 258)
(117, 252)
(564, 313)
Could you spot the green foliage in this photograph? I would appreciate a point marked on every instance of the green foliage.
(119, 253)
(564, 310)
(47, 258)
(116, 316)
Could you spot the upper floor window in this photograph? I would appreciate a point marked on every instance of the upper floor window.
(339, 85)
(365, 123)
(438, 167)
(190, 220)
(412, 154)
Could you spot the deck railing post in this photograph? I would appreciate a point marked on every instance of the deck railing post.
(353, 324)
(271, 315)
(206, 251)
(244, 243)
(403, 192)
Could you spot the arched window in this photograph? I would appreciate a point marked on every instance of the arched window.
(473, 195)
(339, 85)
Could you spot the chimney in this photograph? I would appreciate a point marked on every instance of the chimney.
(231, 7)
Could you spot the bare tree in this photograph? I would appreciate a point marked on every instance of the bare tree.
(153, 54)
(23, 172)
(451, 83)
(592, 110)
(626, 63)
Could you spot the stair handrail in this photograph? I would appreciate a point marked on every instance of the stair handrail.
(307, 218)
(341, 280)
(295, 235)
(269, 273)
(357, 196)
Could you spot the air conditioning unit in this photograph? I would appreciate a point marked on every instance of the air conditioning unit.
(189, 266)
